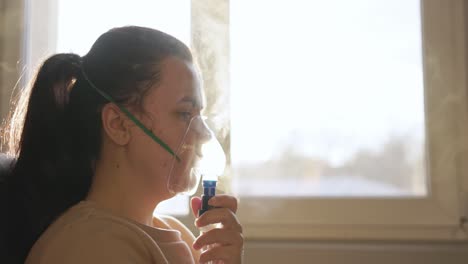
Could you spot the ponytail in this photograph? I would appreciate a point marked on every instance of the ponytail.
(48, 176)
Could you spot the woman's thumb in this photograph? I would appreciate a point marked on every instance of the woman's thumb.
(196, 205)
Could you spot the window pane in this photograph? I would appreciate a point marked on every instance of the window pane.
(327, 98)
(80, 23)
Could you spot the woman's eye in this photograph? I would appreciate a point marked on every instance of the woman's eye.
(185, 115)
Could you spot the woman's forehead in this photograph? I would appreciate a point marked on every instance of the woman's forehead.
(179, 84)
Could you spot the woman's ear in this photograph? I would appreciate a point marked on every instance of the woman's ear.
(115, 124)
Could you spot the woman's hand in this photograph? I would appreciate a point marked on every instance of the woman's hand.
(227, 241)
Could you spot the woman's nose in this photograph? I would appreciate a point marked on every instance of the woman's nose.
(205, 133)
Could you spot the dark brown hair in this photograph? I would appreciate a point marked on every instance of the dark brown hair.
(58, 138)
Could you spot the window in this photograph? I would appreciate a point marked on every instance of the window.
(338, 89)
(346, 118)
(339, 118)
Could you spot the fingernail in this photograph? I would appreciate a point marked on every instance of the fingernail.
(195, 245)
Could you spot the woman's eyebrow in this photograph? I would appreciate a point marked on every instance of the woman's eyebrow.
(189, 99)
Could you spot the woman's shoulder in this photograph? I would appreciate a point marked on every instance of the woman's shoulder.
(85, 235)
(173, 223)
(169, 221)
(85, 219)
(186, 234)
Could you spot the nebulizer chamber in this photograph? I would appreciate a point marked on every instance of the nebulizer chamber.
(210, 167)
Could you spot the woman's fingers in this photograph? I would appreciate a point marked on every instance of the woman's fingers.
(223, 244)
(220, 215)
(226, 255)
(224, 213)
(224, 237)
(225, 201)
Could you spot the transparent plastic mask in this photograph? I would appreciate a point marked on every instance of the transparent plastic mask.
(213, 160)
(199, 153)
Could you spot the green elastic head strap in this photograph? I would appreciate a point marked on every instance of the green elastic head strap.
(132, 117)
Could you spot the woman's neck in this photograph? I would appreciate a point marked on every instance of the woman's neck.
(113, 189)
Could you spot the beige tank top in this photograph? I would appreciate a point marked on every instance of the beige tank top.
(87, 234)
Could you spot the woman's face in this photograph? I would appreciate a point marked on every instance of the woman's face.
(170, 108)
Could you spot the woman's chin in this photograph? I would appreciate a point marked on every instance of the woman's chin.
(188, 188)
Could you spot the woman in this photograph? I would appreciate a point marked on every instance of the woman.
(106, 137)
